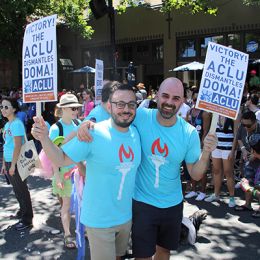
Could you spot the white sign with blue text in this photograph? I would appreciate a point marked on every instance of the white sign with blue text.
(223, 80)
(98, 81)
(40, 61)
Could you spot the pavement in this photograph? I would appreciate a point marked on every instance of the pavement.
(225, 234)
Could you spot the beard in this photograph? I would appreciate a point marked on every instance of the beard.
(169, 112)
(124, 123)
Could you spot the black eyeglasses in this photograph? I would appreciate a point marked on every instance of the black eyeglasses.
(121, 104)
(74, 108)
(4, 107)
(254, 139)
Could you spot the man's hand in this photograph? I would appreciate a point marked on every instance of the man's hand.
(39, 129)
(210, 143)
(245, 154)
(83, 133)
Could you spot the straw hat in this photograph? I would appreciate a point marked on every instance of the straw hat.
(68, 100)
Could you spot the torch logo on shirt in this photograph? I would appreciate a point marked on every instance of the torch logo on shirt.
(127, 155)
(126, 163)
(158, 158)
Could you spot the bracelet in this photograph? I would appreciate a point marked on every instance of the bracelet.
(243, 147)
(254, 192)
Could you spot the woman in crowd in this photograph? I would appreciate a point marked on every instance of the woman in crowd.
(201, 121)
(13, 135)
(88, 103)
(61, 183)
(223, 158)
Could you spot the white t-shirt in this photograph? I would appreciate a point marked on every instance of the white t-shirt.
(183, 110)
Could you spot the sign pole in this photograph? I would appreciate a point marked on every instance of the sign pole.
(214, 122)
(38, 109)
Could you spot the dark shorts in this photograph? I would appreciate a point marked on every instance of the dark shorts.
(155, 226)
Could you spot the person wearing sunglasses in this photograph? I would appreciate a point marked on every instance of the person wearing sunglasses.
(61, 185)
(13, 135)
(249, 126)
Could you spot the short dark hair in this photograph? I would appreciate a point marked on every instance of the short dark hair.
(254, 99)
(249, 115)
(13, 102)
(107, 90)
(120, 86)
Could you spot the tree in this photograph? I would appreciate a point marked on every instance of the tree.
(16, 14)
(251, 2)
(193, 6)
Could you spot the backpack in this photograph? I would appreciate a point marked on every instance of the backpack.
(75, 121)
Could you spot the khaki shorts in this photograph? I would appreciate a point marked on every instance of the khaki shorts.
(107, 243)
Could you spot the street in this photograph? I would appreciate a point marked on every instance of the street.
(225, 234)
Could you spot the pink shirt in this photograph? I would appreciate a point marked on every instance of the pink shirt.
(88, 106)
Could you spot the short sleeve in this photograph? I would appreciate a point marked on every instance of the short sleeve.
(17, 128)
(54, 132)
(193, 151)
(257, 114)
(82, 148)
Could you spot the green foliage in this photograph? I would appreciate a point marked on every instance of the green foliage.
(193, 6)
(251, 2)
(16, 14)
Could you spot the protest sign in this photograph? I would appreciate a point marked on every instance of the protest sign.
(223, 79)
(98, 81)
(40, 61)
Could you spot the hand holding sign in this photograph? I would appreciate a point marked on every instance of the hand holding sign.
(222, 82)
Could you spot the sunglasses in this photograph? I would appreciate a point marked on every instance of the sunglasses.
(4, 107)
(247, 125)
(74, 108)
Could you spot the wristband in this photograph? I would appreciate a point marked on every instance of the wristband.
(254, 192)
(243, 147)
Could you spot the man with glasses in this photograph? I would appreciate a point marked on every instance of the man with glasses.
(249, 126)
(112, 160)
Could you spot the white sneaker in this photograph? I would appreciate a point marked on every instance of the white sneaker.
(201, 196)
(191, 194)
(212, 198)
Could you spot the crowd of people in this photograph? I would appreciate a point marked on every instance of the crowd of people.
(131, 157)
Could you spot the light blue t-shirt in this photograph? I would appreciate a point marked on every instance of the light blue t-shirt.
(12, 129)
(67, 129)
(158, 180)
(98, 114)
(112, 160)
